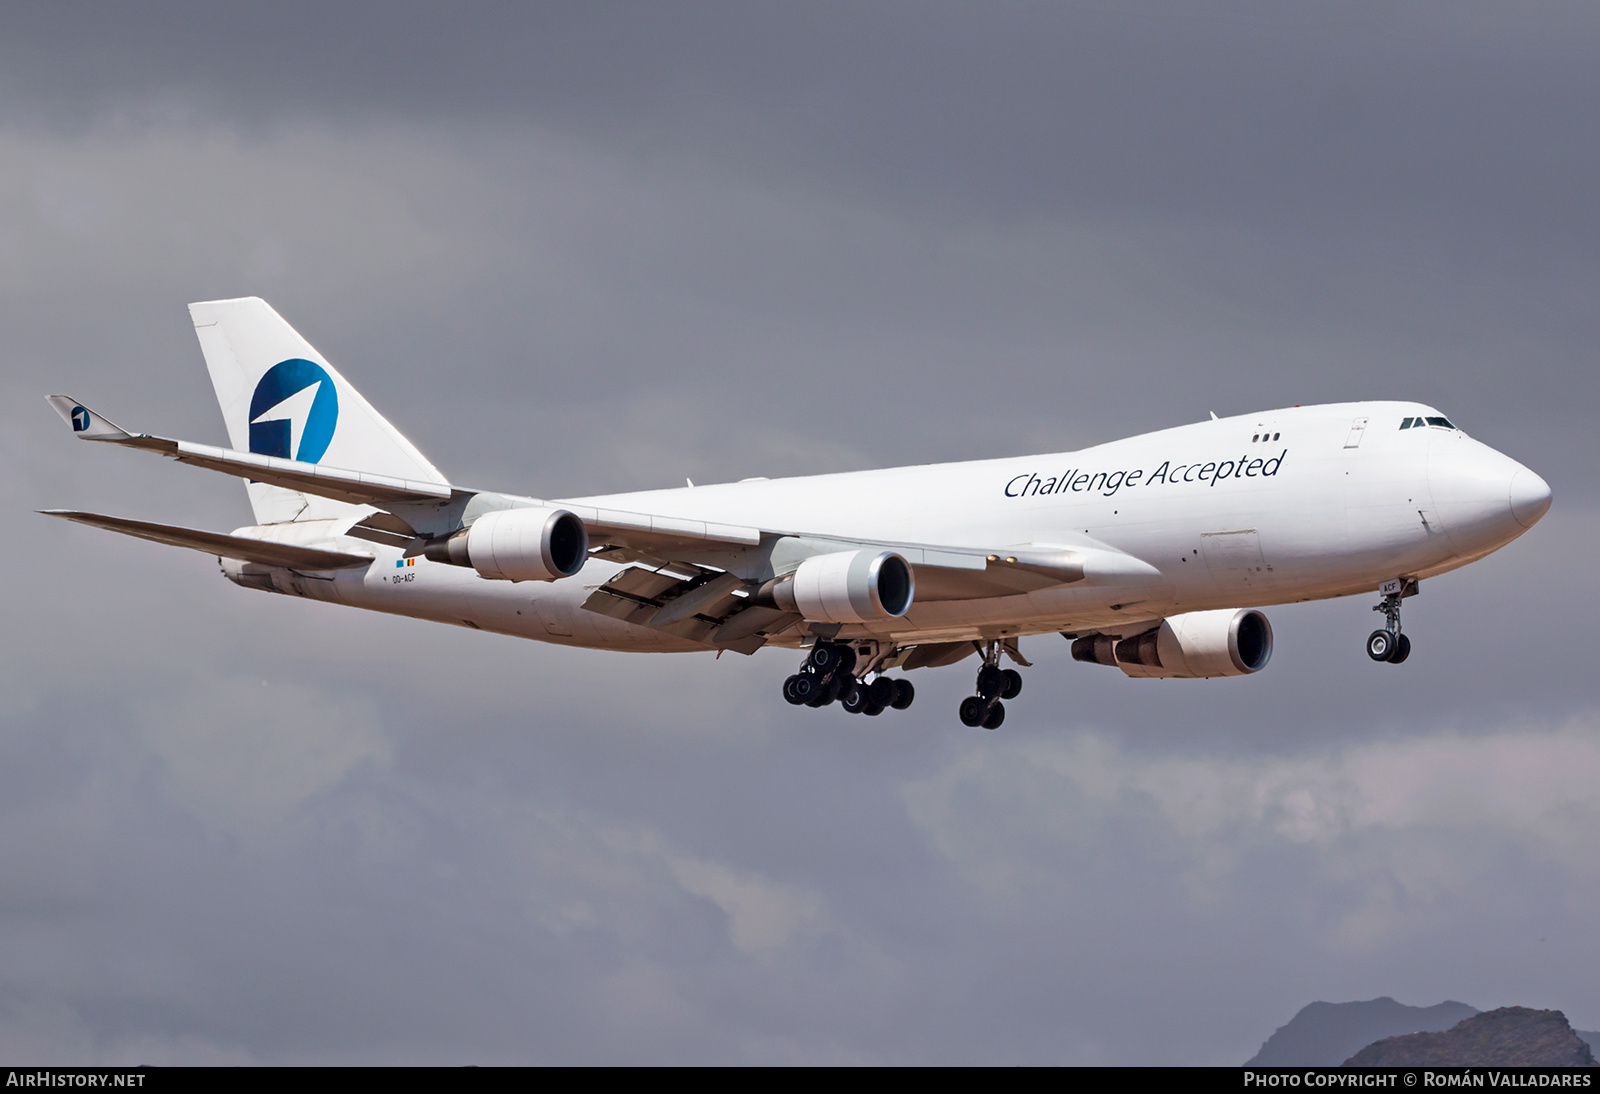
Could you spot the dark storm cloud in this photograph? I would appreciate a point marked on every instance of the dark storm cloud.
(1433, 109)
(582, 247)
(1429, 168)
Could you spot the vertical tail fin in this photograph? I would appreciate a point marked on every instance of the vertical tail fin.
(280, 397)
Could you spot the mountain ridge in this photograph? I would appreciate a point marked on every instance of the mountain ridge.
(1326, 1034)
(1507, 1037)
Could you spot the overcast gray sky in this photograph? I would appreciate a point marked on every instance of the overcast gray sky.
(581, 247)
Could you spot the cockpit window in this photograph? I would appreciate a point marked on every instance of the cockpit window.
(1407, 423)
(1441, 421)
(1418, 423)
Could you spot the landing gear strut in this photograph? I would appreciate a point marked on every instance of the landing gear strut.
(829, 673)
(994, 684)
(1389, 644)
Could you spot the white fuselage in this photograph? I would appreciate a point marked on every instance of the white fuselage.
(1338, 500)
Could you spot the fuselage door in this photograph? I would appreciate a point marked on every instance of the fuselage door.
(1357, 428)
(556, 621)
(1234, 558)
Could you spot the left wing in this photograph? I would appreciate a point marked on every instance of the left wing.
(692, 578)
(683, 580)
(244, 548)
(942, 573)
(691, 586)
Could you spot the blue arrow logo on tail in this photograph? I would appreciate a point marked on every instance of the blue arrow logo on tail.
(288, 424)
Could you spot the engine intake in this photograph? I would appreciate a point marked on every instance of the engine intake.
(536, 543)
(846, 587)
(1229, 642)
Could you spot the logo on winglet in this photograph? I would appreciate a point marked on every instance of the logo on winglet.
(80, 419)
(293, 411)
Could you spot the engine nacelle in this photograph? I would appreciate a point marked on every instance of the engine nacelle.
(531, 544)
(847, 587)
(1229, 642)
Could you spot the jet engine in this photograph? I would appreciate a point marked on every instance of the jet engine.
(846, 587)
(530, 544)
(1230, 642)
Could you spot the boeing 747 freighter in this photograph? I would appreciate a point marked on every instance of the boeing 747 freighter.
(1152, 555)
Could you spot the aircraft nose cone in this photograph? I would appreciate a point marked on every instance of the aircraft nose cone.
(1530, 497)
(1484, 499)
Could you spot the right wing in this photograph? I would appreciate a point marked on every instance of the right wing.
(360, 487)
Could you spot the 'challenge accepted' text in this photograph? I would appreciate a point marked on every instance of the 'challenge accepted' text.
(1107, 483)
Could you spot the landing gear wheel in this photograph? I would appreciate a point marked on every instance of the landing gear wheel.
(973, 710)
(824, 657)
(853, 698)
(996, 715)
(871, 710)
(1402, 650)
(1389, 644)
(1013, 684)
(800, 688)
(825, 694)
(1381, 646)
(881, 692)
(903, 694)
(991, 681)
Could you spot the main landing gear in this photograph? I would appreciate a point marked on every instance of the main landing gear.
(829, 674)
(994, 684)
(1389, 644)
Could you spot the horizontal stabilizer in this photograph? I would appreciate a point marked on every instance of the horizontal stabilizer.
(243, 548)
(340, 484)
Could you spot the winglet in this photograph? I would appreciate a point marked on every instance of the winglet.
(87, 424)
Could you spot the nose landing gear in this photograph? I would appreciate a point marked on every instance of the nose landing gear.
(994, 684)
(1389, 644)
